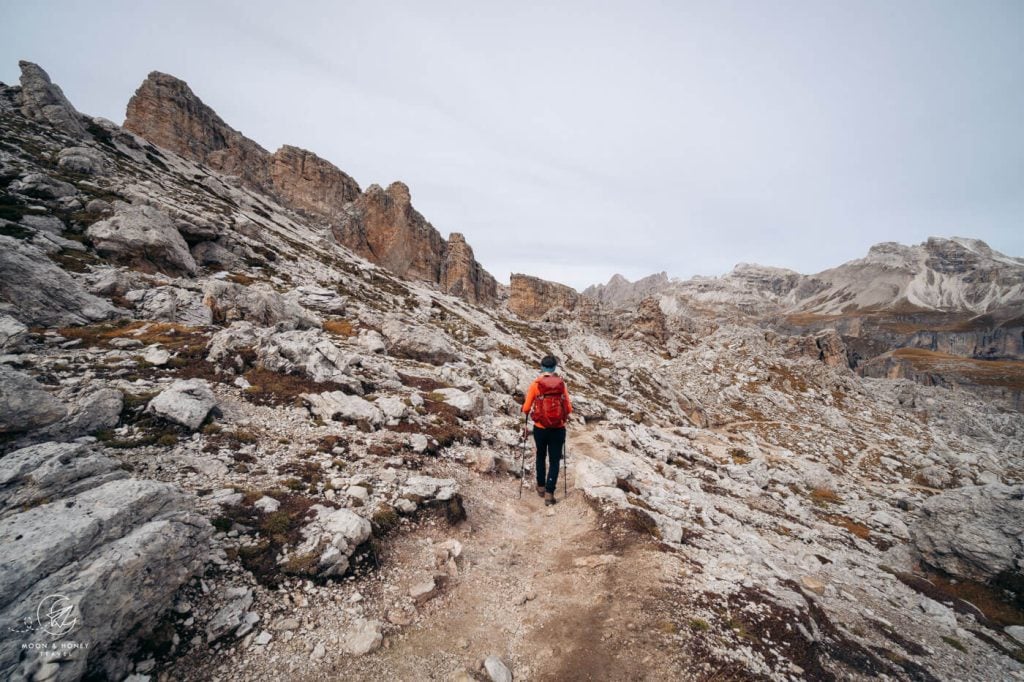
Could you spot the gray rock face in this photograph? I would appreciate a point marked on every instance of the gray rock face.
(497, 670)
(418, 342)
(37, 292)
(186, 402)
(171, 304)
(43, 101)
(84, 160)
(143, 237)
(12, 334)
(230, 617)
(114, 549)
(973, 532)
(24, 404)
(42, 186)
(91, 412)
(310, 352)
(259, 304)
(34, 474)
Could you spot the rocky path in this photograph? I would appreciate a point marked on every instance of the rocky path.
(558, 593)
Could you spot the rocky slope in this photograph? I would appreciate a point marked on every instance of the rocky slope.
(328, 454)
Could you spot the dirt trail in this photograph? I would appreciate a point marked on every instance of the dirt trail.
(599, 609)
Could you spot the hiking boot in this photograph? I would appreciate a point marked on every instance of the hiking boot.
(549, 499)
(540, 490)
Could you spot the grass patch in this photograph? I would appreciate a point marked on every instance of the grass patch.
(275, 388)
(339, 327)
(857, 529)
(823, 496)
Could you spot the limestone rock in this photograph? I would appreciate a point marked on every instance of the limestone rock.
(12, 334)
(46, 471)
(92, 411)
(43, 101)
(170, 304)
(165, 111)
(973, 532)
(328, 542)
(116, 552)
(425, 488)
(463, 276)
(83, 160)
(229, 617)
(338, 406)
(259, 304)
(363, 637)
(531, 297)
(418, 342)
(24, 404)
(185, 402)
(497, 670)
(42, 186)
(423, 591)
(470, 404)
(304, 181)
(143, 237)
(38, 292)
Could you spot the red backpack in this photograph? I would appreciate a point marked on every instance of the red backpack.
(549, 409)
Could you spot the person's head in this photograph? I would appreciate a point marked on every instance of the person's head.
(548, 364)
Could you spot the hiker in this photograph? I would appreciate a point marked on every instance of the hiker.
(547, 403)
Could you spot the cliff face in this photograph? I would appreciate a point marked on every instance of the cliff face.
(165, 111)
(462, 276)
(531, 297)
(380, 225)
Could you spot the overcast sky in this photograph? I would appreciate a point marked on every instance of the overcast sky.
(576, 140)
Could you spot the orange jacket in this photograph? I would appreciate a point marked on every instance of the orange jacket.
(532, 394)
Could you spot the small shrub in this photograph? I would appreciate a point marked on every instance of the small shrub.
(699, 625)
(339, 327)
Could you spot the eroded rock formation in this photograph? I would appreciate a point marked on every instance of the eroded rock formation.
(532, 297)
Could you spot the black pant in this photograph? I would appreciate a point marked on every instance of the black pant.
(549, 448)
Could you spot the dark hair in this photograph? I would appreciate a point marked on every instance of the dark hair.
(549, 361)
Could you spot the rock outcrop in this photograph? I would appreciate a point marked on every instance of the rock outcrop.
(973, 532)
(44, 101)
(531, 297)
(382, 226)
(165, 111)
(34, 290)
(144, 238)
(305, 182)
(463, 276)
(111, 550)
(25, 404)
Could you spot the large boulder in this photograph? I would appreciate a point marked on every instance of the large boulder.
(170, 304)
(84, 160)
(144, 238)
(24, 404)
(43, 101)
(37, 291)
(418, 342)
(309, 352)
(79, 535)
(338, 406)
(259, 304)
(469, 404)
(45, 471)
(185, 402)
(973, 532)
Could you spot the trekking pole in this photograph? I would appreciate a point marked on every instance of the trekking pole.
(565, 465)
(522, 460)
